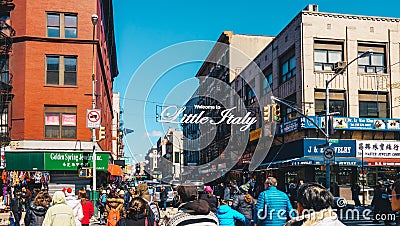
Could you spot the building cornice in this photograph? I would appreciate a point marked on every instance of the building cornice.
(351, 17)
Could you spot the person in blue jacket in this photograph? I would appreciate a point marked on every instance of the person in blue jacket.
(273, 207)
(227, 216)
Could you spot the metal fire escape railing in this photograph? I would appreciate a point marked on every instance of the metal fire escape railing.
(6, 34)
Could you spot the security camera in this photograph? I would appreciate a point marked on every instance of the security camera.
(95, 18)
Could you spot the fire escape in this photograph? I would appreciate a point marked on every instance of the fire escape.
(6, 34)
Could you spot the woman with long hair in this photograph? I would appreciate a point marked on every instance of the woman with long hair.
(136, 215)
(87, 207)
(244, 203)
(38, 209)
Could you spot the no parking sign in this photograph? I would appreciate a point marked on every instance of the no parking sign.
(93, 118)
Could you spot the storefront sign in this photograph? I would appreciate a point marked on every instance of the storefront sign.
(289, 126)
(341, 123)
(366, 124)
(377, 163)
(344, 148)
(72, 160)
(378, 149)
(245, 159)
(255, 134)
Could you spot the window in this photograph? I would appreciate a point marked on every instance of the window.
(267, 82)
(53, 25)
(288, 68)
(374, 63)
(61, 70)
(373, 105)
(286, 112)
(4, 68)
(4, 121)
(250, 94)
(62, 25)
(371, 64)
(326, 54)
(176, 157)
(337, 102)
(60, 122)
(70, 22)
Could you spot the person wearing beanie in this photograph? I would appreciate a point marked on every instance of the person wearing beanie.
(244, 202)
(59, 213)
(192, 211)
(75, 204)
(210, 198)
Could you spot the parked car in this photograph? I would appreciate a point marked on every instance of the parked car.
(171, 193)
(175, 183)
(198, 183)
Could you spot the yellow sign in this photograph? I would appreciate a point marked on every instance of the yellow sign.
(255, 134)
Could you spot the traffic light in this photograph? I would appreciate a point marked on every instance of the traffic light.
(85, 172)
(267, 113)
(102, 133)
(276, 112)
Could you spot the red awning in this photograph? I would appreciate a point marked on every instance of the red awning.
(115, 170)
(382, 162)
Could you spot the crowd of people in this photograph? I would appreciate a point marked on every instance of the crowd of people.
(63, 208)
(136, 206)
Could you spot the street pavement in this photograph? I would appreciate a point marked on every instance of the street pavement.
(171, 211)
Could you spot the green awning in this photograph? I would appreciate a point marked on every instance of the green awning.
(24, 161)
(16, 160)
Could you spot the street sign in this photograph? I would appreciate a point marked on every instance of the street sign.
(334, 141)
(329, 153)
(93, 118)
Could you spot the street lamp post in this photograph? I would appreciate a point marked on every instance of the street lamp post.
(363, 175)
(327, 135)
(95, 19)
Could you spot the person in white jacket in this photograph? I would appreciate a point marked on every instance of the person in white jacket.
(75, 203)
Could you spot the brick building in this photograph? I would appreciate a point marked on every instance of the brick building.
(52, 67)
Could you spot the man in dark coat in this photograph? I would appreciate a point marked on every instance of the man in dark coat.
(16, 207)
(163, 197)
(355, 191)
(380, 202)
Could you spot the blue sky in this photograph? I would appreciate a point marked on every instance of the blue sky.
(144, 28)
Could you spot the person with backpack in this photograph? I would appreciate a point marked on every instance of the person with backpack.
(192, 211)
(136, 214)
(114, 209)
(244, 203)
(75, 204)
(152, 208)
(87, 207)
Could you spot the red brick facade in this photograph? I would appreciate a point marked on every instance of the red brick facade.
(28, 66)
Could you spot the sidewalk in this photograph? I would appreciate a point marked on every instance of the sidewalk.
(4, 218)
